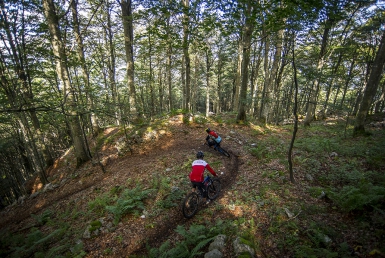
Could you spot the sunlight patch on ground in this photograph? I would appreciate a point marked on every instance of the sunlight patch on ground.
(176, 119)
(66, 153)
(257, 128)
(40, 203)
(110, 130)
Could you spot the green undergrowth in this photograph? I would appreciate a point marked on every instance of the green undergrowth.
(194, 240)
(49, 236)
(348, 175)
(129, 201)
(341, 177)
(52, 235)
(339, 191)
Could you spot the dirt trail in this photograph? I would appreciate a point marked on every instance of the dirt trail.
(162, 233)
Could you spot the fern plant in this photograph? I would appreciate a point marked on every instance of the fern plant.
(43, 218)
(36, 241)
(195, 239)
(351, 198)
(98, 205)
(171, 200)
(130, 201)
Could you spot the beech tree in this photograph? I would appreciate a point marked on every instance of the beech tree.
(371, 88)
(58, 47)
(250, 10)
(127, 19)
(16, 85)
(186, 55)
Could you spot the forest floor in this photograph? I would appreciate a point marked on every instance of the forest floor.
(255, 191)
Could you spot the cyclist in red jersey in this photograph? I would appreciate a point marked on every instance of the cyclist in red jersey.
(197, 172)
(213, 139)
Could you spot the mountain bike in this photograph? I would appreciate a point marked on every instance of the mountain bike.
(191, 203)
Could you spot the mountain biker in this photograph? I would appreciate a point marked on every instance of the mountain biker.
(213, 139)
(196, 174)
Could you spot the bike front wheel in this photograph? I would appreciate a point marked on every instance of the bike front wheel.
(190, 205)
(214, 189)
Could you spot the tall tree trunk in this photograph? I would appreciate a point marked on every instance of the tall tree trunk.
(312, 104)
(183, 78)
(33, 153)
(272, 79)
(80, 49)
(69, 92)
(186, 43)
(218, 95)
(371, 88)
(266, 94)
(254, 78)
(208, 70)
(161, 87)
(292, 180)
(111, 66)
(169, 78)
(33, 162)
(169, 64)
(238, 75)
(152, 97)
(20, 60)
(278, 83)
(380, 102)
(325, 108)
(194, 85)
(347, 82)
(246, 42)
(127, 17)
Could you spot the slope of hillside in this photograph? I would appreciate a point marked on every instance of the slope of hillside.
(273, 215)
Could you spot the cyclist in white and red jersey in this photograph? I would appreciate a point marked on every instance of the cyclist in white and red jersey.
(197, 172)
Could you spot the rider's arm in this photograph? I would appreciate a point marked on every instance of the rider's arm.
(211, 170)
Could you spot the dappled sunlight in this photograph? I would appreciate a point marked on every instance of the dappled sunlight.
(257, 128)
(230, 207)
(111, 130)
(41, 203)
(178, 119)
(68, 154)
(268, 129)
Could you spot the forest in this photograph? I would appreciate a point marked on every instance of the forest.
(73, 70)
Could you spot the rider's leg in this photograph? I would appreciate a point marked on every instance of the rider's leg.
(217, 144)
(211, 143)
(200, 186)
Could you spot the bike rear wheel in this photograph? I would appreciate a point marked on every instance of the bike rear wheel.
(223, 151)
(214, 189)
(190, 205)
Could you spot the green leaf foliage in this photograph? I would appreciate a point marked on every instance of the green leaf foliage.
(130, 201)
(359, 197)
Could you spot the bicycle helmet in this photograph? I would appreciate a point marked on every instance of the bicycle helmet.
(208, 130)
(200, 155)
